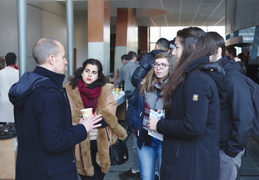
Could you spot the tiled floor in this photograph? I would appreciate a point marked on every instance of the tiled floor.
(248, 171)
(114, 171)
(250, 161)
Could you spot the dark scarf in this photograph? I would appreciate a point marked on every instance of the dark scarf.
(89, 96)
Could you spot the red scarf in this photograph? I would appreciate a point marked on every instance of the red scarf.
(14, 66)
(89, 96)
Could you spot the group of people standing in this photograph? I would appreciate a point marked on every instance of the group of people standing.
(205, 127)
(195, 92)
(49, 123)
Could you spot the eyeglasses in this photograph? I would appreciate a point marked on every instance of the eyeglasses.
(162, 65)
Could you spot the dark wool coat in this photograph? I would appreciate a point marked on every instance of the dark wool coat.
(107, 107)
(191, 129)
(46, 137)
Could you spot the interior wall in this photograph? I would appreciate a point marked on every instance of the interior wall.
(241, 14)
(40, 23)
(132, 32)
(81, 43)
(8, 27)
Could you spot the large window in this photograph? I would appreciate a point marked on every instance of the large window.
(170, 32)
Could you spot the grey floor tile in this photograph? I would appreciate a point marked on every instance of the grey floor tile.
(249, 169)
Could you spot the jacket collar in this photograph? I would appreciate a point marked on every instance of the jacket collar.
(55, 77)
(196, 63)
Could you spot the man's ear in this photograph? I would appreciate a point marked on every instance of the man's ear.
(51, 59)
(219, 51)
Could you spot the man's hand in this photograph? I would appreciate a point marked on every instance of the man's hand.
(91, 122)
(237, 59)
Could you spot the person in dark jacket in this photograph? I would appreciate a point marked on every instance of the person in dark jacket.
(231, 54)
(236, 112)
(191, 125)
(145, 63)
(46, 136)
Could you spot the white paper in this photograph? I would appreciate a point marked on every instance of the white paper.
(155, 134)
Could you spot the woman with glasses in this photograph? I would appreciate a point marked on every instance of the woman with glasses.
(88, 89)
(191, 125)
(148, 97)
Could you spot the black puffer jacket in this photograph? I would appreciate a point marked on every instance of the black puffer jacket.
(145, 64)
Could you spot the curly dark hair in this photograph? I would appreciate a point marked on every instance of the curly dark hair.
(73, 80)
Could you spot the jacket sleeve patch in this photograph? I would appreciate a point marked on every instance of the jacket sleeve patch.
(195, 97)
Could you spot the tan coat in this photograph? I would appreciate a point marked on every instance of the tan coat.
(107, 107)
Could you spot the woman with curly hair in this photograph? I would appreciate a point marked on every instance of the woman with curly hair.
(88, 89)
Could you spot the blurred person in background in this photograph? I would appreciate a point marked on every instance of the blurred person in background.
(2, 63)
(8, 76)
(120, 82)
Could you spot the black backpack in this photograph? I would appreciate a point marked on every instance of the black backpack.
(254, 91)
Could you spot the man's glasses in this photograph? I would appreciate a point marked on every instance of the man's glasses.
(162, 65)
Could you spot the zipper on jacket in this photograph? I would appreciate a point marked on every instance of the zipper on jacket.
(177, 151)
(66, 99)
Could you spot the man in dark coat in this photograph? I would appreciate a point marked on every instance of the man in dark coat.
(46, 136)
(236, 112)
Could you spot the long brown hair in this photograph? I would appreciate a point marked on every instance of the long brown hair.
(196, 44)
(151, 77)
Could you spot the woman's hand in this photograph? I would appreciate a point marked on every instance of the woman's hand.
(152, 122)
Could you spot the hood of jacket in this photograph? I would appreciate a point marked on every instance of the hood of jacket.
(229, 64)
(156, 51)
(196, 63)
(31, 81)
(214, 70)
(217, 73)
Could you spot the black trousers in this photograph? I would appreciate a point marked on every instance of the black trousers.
(98, 174)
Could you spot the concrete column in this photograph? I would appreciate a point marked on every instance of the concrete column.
(99, 32)
(126, 34)
(22, 34)
(143, 39)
